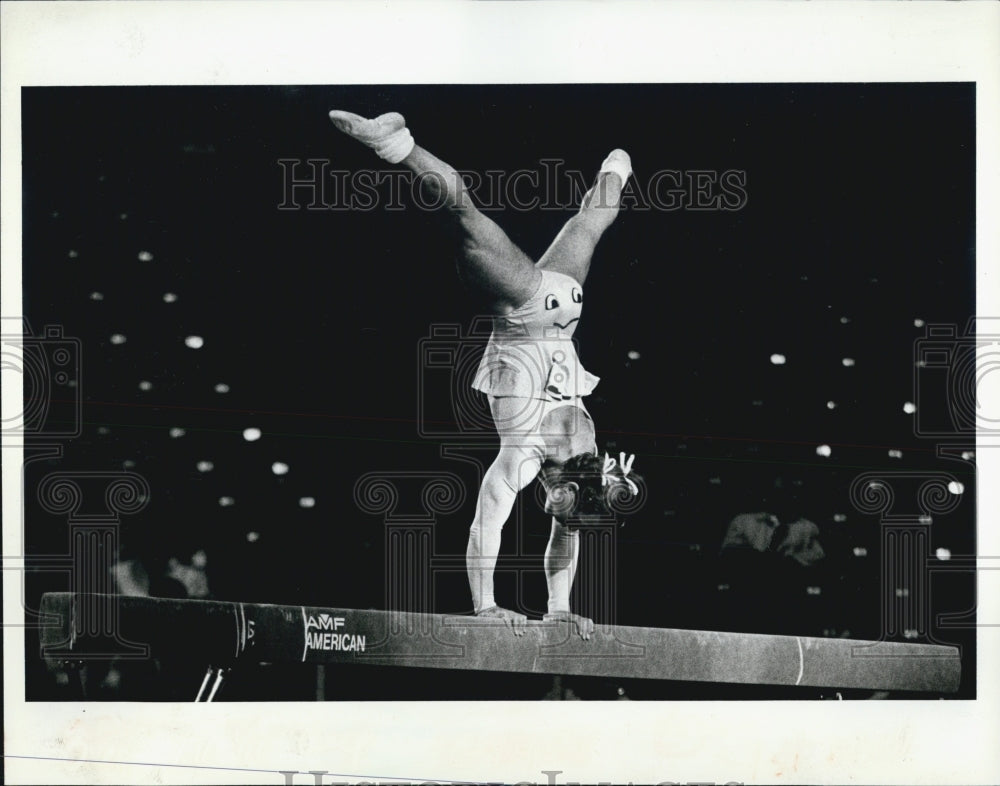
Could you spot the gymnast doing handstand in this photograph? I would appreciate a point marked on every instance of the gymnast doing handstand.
(530, 371)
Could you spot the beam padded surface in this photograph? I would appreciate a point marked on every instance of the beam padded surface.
(220, 632)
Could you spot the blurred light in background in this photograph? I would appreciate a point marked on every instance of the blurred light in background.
(253, 537)
(955, 487)
(909, 408)
(145, 385)
(118, 338)
(251, 434)
(194, 342)
(943, 554)
(633, 355)
(777, 359)
(227, 502)
(96, 296)
(895, 454)
(831, 404)
(145, 256)
(823, 450)
(176, 432)
(205, 466)
(279, 468)
(848, 362)
(918, 323)
(222, 387)
(169, 297)
(307, 502)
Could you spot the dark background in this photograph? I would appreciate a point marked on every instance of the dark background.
(860, 206)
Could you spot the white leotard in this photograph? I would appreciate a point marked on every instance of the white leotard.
(531, 354)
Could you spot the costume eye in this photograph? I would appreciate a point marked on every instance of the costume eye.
(577, 295)
(551, 302)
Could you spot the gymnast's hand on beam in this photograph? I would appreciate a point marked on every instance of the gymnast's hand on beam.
(584, 625)
(516, 622)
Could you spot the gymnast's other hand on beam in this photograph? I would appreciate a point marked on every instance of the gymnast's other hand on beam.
(516, 622)
(584, 625)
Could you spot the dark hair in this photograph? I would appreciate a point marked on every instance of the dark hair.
(592, 495)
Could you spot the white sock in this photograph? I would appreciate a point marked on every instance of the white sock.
(395, 147)
(391, 146)
(618, 161)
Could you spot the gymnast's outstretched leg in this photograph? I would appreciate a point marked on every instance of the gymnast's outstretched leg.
(573, 248)
(490, 262)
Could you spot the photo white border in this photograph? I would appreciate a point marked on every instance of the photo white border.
(181, 43)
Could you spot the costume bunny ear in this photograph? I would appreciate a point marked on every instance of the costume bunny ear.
(609, 466)
(626, 467)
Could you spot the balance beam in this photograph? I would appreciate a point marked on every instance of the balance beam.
(220, 633)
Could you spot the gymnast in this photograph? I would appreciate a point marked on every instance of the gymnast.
(530, 371)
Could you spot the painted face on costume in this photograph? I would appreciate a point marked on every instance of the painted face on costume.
(563, 306)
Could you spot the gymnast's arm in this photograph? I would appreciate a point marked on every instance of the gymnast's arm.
(497, 495)
(561, 557)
